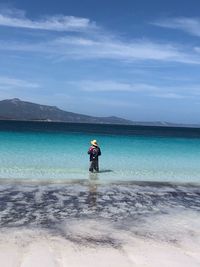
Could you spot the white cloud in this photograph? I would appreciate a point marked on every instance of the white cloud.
(197, 49)
(111, 49)
(170, 95)
(189, 25)
(10, 83)
(110, 86)
(150, 90)
(107, 102)
(18, 19)
(83, 44)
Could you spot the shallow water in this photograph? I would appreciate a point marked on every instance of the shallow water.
(127, 153)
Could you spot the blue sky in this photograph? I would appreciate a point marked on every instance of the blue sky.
(136, 59)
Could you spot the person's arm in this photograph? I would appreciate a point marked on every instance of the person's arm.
(99, 154)
(90, 151)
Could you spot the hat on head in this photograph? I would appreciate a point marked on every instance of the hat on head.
(94, 143)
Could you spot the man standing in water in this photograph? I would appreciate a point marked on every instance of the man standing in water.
(94, 152)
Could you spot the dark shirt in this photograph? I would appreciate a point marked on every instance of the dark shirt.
(94, 152)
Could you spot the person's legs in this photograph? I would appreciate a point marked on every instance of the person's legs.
(96, 165)
(91, 168)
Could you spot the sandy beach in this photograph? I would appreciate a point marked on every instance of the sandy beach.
(118, 225)
(35, 248)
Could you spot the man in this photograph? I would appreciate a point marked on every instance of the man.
(94, 152)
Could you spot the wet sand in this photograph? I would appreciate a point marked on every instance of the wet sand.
(92, 224)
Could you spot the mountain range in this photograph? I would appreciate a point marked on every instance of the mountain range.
(16, 109)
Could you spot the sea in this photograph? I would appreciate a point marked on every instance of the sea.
(141, 209)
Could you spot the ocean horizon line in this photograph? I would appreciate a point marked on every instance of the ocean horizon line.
(156, 124)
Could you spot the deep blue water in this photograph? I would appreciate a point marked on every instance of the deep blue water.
(29, 126)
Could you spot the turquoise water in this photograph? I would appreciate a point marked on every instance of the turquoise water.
(63, 155)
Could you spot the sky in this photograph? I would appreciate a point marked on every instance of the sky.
(135, 59)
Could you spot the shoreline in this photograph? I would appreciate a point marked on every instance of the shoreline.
(94, 180)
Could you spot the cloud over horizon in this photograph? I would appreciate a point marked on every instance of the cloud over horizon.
(10, 82)
(150, 89)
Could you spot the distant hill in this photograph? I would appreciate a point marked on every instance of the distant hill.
(15, 109)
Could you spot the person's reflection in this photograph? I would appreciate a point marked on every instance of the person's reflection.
(92, 195)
